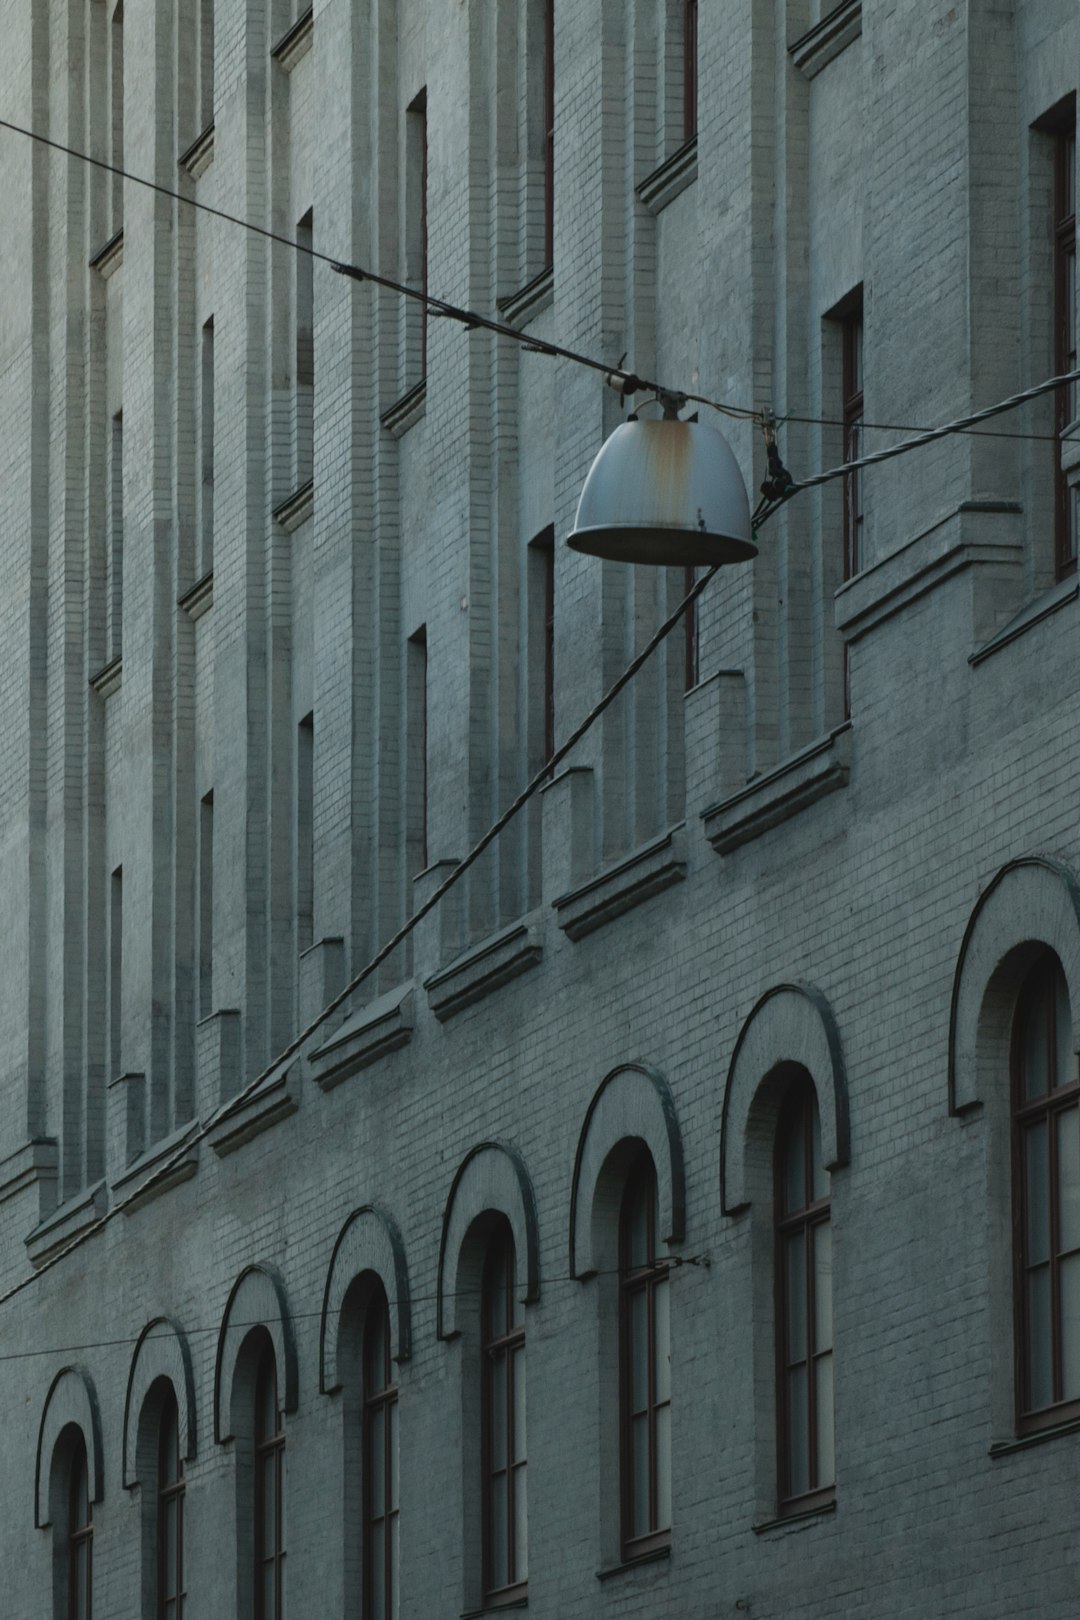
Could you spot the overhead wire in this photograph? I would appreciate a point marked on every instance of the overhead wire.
(770, 504)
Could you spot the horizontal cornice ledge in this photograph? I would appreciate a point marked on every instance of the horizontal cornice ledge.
(70, 1221)
(673, 176)
(270, 1103)
(485, 967)
(139, 1184)
(975, 534)
(36, 1161)
(295, 43)
(538, 294)
(383, 1026)
(819, 45)
(800, 781)
(646, 872)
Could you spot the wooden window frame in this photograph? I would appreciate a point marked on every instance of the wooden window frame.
(170, 1497)
(503, 1342)
(646, 1278)
(80, 1533)
(799, 1110)
(690, 69)
(269, 1457)
(380, 1394)
(1051, 1105)
(1065, 338)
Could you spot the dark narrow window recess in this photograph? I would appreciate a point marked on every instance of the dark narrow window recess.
(170, 1516)
(644, 1369)
(80, 1538)
(505, 1505)
(114, 606)
(416, 208)
(1046, 1201)
(690, 69)
(206, 450)
(304, 360)
(416, 751)
(206, 905)
(1067, 500)
(380, 1449)
(852, 401)
(690, 633)
(305, 834)
(268, 1506)
(804, 1340)
(549, 132)
(116, 973)
(541, 649)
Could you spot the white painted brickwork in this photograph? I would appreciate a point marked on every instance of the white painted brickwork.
(908, 163)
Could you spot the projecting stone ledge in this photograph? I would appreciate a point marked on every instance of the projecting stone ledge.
(383, 1026)
(485, 967)
(649, 870)
(801, 780)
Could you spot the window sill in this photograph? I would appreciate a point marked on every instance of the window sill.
(110, 257)
(800, 781)
(199, 155)
(240, 1123)
(1006, 1448)
(646, 872)
(295, 42)
(517, 1599)
(383, 1026)
(655, 1555)
(485, 967)
(819, 45)
(297, 508)
(109, 678)
(1058, 596)
(128, 1188)
(200, 598)
(405, 412)
(71, 1220)
(796, 1520)
(672, 177)
(536, 295)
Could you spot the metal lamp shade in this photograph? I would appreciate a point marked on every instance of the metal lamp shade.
(668, 493)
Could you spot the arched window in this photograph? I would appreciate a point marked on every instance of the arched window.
(804, 1339)
(1046, 1211)
(505, 1506)
(380, 1430)
(80, 1536)
(645, 1370)
(268, 1503)
(170, 1515)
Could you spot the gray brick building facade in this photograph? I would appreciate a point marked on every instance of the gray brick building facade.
(286, 603)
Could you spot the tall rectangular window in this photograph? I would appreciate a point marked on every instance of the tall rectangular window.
(304, 403)
(690, 632)
(206, 906)
(645, 1367)
(206, 450)
(416, 740)
(416, 224)
(116, 972)
(690, 69)
(1066, 518)
(380, 1449)
(114, 604)
(852, 384)
(205, 64)
(549, 131)
(116, 114)
(505, 1507)
(541, 651)
(305, 833)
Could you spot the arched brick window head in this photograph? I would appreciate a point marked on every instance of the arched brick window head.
(380, 1466)
(268, 1503)
(1046, 1205)
(80, 1537)
(170, 1515)
(645, 1368)
(804, 1337)
(505, 1501)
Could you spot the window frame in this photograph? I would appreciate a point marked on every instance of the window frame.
(170, 1495)
(647, 1278)
(380, 1395)
(1050, 1105)
(549, 133)
(690, 70)
(799, 1110)
(501, 1343)
(268, 1452)
(80, 1532)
